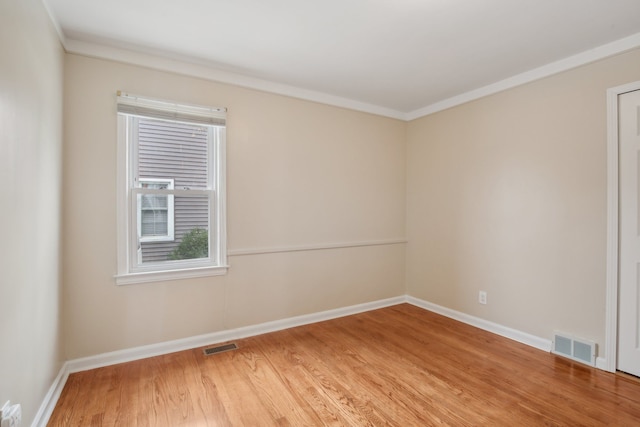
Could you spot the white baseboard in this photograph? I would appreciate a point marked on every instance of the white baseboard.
(603, 363)
(514, 334)
(136, 353)
(522, 337)
(166, 347)
(51, 398)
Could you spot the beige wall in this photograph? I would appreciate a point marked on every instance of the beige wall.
(31, 65)
(507, 194)
(299, 173)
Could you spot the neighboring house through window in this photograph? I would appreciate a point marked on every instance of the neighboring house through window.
(155, 212)
(171, 221)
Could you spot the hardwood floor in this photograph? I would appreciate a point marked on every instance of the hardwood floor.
(399, 366)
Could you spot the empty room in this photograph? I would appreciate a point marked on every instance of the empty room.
(255, 213)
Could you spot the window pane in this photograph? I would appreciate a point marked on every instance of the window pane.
(191, 241)
(171, 150)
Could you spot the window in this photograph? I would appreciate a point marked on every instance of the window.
(155, 211)
(171, 221)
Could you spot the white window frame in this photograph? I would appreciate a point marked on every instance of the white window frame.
(130, 268)
(170, 236)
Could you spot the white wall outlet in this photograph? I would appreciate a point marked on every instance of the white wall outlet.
(482, 297)
(10, 415)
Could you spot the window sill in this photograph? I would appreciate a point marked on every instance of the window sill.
(159, 276)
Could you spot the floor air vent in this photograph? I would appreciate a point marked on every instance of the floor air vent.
(574, 348)
(219, 349)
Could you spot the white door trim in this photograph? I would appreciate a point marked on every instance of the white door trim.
(611, 326)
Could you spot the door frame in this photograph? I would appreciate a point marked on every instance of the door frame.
(613, 187)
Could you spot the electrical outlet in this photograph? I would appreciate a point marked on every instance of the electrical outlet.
(482, 297)
(10, 415)
(4, 410)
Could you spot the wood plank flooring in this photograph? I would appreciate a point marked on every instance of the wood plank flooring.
(397, 366)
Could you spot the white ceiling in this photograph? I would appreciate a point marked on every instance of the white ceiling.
(400, 58)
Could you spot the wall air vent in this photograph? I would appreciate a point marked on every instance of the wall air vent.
(219, 349)
(574, 348)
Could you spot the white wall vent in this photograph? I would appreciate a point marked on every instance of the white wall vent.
(574, 348)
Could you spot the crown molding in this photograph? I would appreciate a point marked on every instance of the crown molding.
(165, 62)
(586, 57)
(208, 72)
